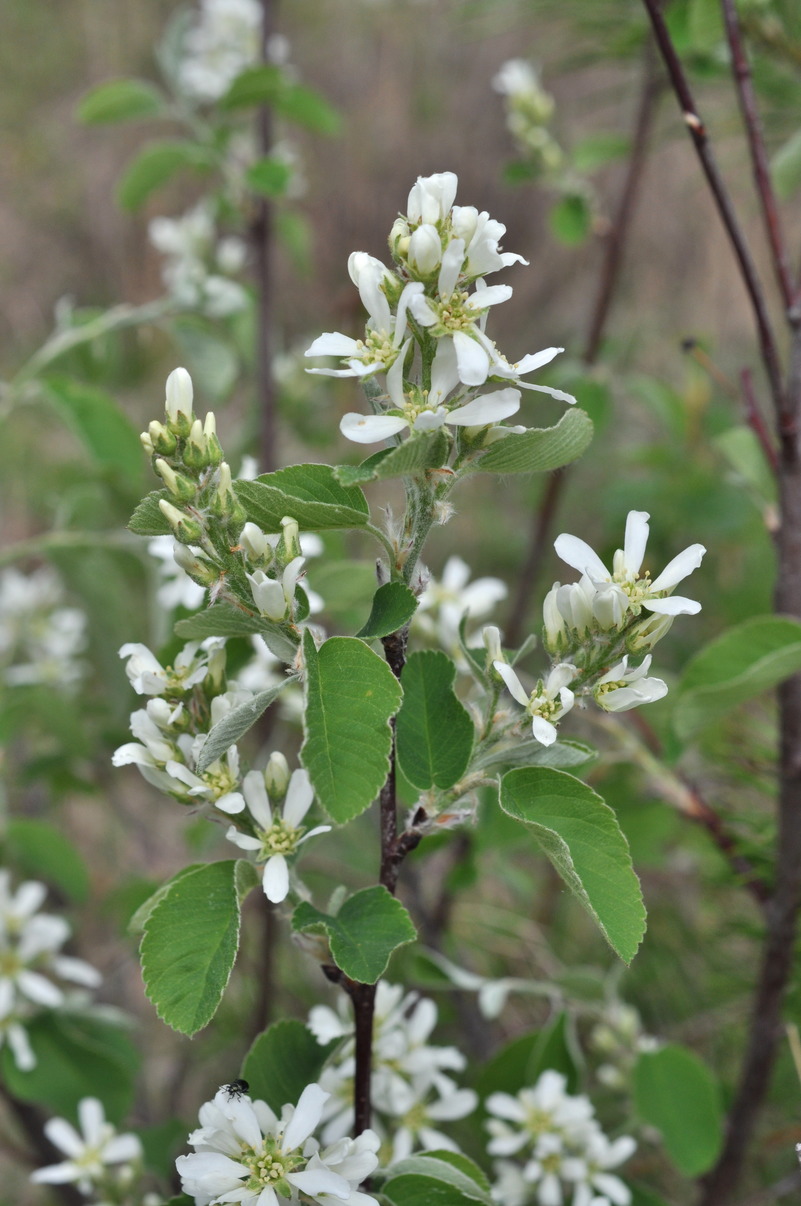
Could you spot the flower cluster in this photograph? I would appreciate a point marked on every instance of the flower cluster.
(31, 964)
(594, 626)
(559, 1145)
(412, 1092)
(100, 1163)
(40, 639)
(245, 1153)
(529, 109)
(441, 252)
(198, 266)
(222, 41)
(618, 1038)
(446, 601)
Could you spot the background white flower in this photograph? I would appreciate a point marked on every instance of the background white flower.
(91, 1152)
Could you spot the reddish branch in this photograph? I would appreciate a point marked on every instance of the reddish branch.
(765, 1032)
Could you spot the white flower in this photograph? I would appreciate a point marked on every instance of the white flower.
(545, 1108)
(641, 592)
(548, 702)
(415, 1115)
(431, 198)
(149, 677)
(273, 596)
(455, 596)
(589, 1170)
(276, 837)
(223, 41)
(40, 640)
(621, 689)
(176, 588)
(89, 1153)
(245, 1154)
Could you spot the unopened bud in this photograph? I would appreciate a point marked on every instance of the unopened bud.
(290, 538)
(179, 486)
(163, 440)
(268, 595)
(491, 636)
(198, 569)
(195, 451)
(276, 776)
(214, 452)
(216, 664)
(179, 400)
(187, 530)
(647, 632)
(399, 237)
(256, 545)
(147, 443)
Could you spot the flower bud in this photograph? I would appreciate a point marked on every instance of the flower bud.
(186, 529)
(425, 251)
(646, 633)
(256, 545)
(268, 595)
(195, 452)
(216, 663)
(198, 569)
(290, 538)
(147, 443)
(162, 440)
(214, 452)
(179, 400)
(179, 486)
(399, 239)
(555, 633)
(491, 636)
(276, 776)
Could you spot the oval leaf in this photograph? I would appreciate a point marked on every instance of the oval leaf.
(580, 835)
(429, 450)
(189, 945)
(434, 730)
(308, 493)
(233, 726)
(436, 1180)
(542, 448)
(281, 1062)
(37, 848)
(743, 662)
(393, 607)
(351, 694)
(269, 176)
(155, 164)
(119, 100)
(370, 925)
(226, 620)
(96, 418)
(676, 1092)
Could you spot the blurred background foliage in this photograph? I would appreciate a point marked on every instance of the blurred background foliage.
(413, 85)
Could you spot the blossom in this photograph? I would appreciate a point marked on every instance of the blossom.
(276, 837)
(90, 1152)
(40, 639)
(454, 596)
(197, 264)
(244, 1153)
(223, 41)
(621, 688)
(589, 1171)
(656, 595)
(548, 702)
(273, 596)
(148, 677)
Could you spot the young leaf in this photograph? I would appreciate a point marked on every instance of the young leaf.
(254, 86)
(748, 659)
(431, 1179)
(351, 694)
(147, 519)
(595, 150)
(562, 755)
(570, 220)
(434, 730)
(297, 103)
(370, 925)
(429, 450)
(189, 945)
(281, 1061)
(540, 449)
(580, 835)
(677, 1093)
(393, 607)
(157, 163)
(233, 726)
(97, 419)
(308, 493)
(75, 1054)
(208, 353)
(268, 176)
(119, 100)
(224, 619)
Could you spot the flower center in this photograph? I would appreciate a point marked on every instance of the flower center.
(376, 346)
(542, 705)
(269, 1166)
(220, 779)
(280, 838)
(538, 1121)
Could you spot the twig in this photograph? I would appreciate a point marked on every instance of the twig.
(720, 194)
(261, 237)
(614, 248)
(741, 72)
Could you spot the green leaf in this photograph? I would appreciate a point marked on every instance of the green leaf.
(233, 726)
(570, 220)
(521, 1062)
(580, 835)
(596, 150)
(119, 100)
(189, 945)
(97, 419)
(562, 755)
(434, 731)
(540, 449)
(370, 925)
(302, 105)
(748, 659)
(157, 163)
(744, 453)
(281, 1061)
(785, 167)
(76, 1055)
(351, 694)
(37, 848)
(308, 493)
(140, 917)
(435, 1181)
(147, 519)
(393, 607)
(268, 176)
(677, 1093)
(415, 455)
(226, 620)
(255, 86)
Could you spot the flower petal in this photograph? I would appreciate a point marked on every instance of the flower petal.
(679, 568)
(578, 554)
(486, 409)
(275, 880)
(369, 429)
(513, 683)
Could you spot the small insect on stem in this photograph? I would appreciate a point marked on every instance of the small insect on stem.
(236, 1089)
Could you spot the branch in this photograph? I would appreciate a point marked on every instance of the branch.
(743, 83)
(726, 212)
